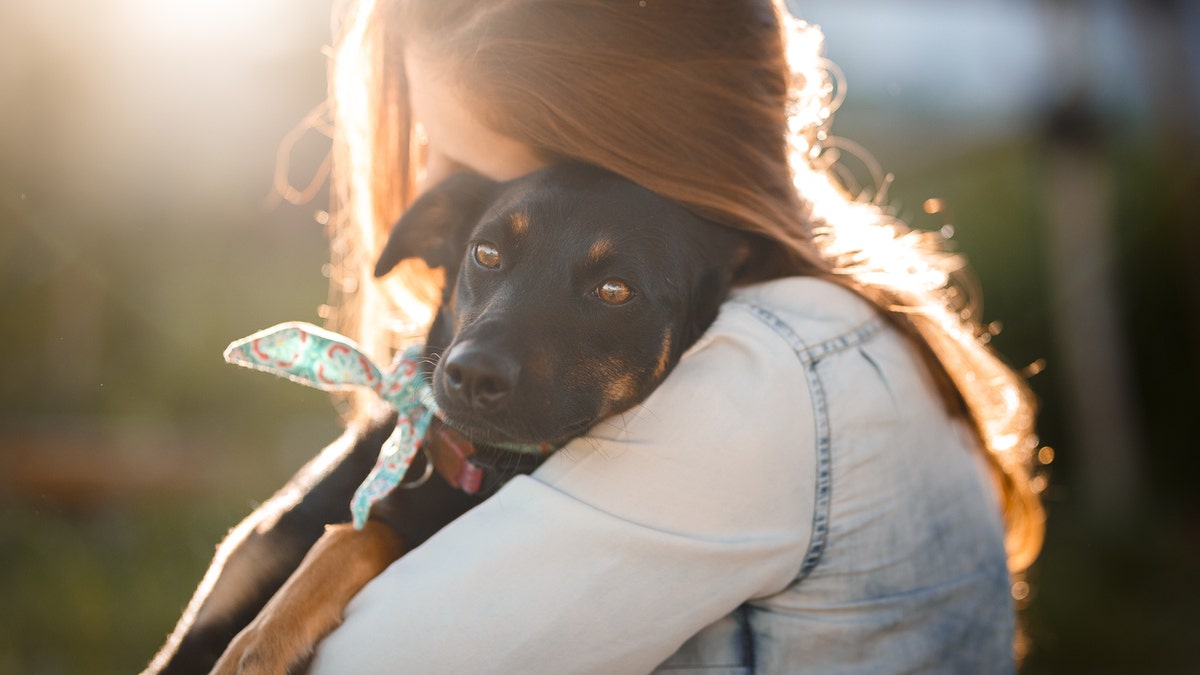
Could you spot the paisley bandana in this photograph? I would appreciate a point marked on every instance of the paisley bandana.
(318, 358)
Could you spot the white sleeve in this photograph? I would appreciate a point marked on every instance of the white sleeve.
(625, 543)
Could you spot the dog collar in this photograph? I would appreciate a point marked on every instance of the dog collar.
(315, 357)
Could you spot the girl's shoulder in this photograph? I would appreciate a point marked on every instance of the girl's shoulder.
(811, 316)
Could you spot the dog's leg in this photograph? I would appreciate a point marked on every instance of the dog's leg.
(310, 604)
(259, 554)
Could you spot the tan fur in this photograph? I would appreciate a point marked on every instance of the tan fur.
(618, 384)
(309, 606)
(664, 357)
(599, 249)
(519, 223)
(620, 390)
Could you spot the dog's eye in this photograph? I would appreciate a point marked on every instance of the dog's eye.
(487, 255)
(614, 292)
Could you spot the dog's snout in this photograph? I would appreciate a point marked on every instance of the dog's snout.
(478, 378)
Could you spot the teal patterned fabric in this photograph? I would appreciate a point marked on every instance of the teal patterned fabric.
(325, 360)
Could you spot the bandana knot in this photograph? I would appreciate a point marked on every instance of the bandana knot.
(325, 360)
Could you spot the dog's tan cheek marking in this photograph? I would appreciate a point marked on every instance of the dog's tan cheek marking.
(620, 391)
(611, 376)
(599, 249)
(664, 356)
(620, 384)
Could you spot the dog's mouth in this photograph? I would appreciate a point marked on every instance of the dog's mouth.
(485, 431)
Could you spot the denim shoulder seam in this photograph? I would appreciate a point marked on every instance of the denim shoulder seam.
(809, 355)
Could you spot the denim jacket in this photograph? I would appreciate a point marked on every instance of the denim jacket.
(794, 498)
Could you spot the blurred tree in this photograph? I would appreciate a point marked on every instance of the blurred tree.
(1087, 312)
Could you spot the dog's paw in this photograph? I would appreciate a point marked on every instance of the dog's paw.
(256, 651)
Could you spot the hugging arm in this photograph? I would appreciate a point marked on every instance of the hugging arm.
(624, 544)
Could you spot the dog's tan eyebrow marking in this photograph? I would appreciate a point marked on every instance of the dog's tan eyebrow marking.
(518, 223)
(600, 248)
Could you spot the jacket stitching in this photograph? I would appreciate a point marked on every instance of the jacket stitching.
(810, 356)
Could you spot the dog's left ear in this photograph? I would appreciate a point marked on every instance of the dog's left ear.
(435, 228)
(729, 252)
(707, 295)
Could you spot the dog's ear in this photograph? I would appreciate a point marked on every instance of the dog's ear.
(435, 228)
(727, 252)
(707, 295)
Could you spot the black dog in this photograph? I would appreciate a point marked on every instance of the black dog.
(571, 293)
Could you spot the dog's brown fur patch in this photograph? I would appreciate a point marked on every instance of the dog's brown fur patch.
(518, 223)
(620, 390)
(664, 356)
(617, 383)
(599, 249)
(309, 606)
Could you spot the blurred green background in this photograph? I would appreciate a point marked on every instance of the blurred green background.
(139, 235)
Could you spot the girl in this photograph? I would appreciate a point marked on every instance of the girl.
(836, 478)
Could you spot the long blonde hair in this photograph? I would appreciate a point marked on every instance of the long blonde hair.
(721, 106)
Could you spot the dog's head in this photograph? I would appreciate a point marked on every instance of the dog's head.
(570, 294)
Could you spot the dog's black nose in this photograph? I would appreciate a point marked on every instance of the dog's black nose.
(478, 378)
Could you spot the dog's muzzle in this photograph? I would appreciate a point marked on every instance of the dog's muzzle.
(477, 379)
